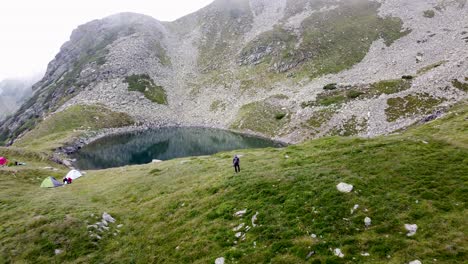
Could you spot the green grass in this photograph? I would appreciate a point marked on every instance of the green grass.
(390, 86)
(182, 212)
(431, 67)
(144, 84)
(61, 127)
(343, 95)
(409, 105)
(261, 117)
(460, 85)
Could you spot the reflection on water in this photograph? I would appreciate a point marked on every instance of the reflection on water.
(162, 144)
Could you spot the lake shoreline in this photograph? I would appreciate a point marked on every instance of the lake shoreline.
(64, 154)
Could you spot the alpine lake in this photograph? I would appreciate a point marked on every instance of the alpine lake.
(163, 144)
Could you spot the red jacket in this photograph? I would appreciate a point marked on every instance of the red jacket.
(69, 180)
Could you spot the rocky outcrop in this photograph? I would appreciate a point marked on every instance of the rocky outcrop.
(234, 53)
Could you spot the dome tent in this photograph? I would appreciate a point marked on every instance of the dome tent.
(50, 182)
(74, 174)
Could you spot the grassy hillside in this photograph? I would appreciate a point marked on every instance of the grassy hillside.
(59, 128)
(181, 211)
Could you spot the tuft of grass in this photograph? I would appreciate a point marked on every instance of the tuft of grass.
(460, 85)
(413, 104)
(390, 86)
(261, 117)
(60, 127)
(175, 212)
(330, 86)
(217, 105)
(429, 13)
(430, 67)
(144, 84)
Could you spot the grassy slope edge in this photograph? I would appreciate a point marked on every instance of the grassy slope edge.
(59, 128)
(181, 211)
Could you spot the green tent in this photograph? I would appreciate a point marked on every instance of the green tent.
(50, 182)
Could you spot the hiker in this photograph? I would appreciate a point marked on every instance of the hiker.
(69, 180)
(236, 163)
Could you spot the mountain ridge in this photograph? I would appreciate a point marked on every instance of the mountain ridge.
(224, 64)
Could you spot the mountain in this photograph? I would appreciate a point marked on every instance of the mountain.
(13, 93)
(286, 69)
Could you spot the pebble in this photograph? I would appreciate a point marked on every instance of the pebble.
(240, 213)
(367, 221)
(411, 228)
(219, 260)
(338, 253)
(254, 219)
(344, 187)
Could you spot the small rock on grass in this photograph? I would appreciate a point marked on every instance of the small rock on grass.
(58, 251)
(107, 217)
(219, 260)
(367, 221)
(344, 187)
(338, 253)
(412, 228)
(240, 213)
(254, 219)
(415, 262)
(239, 227)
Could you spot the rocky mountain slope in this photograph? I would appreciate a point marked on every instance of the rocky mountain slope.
(286, 69)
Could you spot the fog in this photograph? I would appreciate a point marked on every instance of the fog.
(32, 31)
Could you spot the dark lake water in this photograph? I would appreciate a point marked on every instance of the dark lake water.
(162, 144)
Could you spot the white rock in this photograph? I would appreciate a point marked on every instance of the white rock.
(365, 254)
(156, 161)
(367, 221)
(238, 234)
(119, 226)
(344, 187)
(219, 260)
(240, 213)
(356, 206)
(338, 253)
(58, 251)
(313, 236)
(239, 227)
(412, 228)
(415, 262)
(107, 217)
(254, 219)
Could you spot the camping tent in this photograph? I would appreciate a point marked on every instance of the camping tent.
(73, 174)
(50, 182)
(3, 161)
